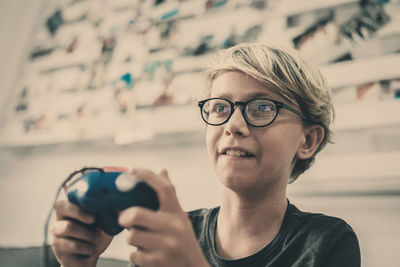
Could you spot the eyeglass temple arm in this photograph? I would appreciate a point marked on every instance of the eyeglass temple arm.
(283, 105)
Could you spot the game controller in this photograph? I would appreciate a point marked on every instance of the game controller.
(105, 194)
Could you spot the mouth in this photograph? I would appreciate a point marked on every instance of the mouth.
(237, 153)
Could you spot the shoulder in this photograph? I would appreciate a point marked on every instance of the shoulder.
(330, 239)
(316, 223)
(201, 218)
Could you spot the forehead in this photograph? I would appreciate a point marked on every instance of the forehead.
(237, 86)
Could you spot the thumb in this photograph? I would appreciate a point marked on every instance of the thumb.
(164, 173)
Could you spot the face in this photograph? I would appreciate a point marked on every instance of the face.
(250, 158)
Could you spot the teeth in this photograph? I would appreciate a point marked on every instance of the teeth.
(237, 153)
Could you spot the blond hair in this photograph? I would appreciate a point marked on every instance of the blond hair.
(286, 73)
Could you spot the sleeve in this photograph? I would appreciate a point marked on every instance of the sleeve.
(346, 252)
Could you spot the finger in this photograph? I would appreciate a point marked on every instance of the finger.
(72, 246)
(162, 185)
(133, 258)
(101, 236)
(164, 174)
(143, 239)
(160, 222)
(173, 202)
(70, 229)
(141, 217)
(141, 257)
(67, 210)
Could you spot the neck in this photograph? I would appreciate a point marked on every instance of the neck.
(246, 224)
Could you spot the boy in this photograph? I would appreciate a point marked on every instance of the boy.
(268, 114)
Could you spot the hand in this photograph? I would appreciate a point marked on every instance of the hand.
(74, 240)
(164, 237)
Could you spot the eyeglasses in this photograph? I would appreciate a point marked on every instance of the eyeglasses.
(259, 112)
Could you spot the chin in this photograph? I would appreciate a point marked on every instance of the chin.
(237, 182)
(247, 183)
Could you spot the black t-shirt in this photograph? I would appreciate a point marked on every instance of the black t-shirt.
(304, 239)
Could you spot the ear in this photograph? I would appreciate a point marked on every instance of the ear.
(313, 136)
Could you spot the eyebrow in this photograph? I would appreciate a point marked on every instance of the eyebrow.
(261, 95)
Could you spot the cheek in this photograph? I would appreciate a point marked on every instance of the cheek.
(281, 146)
(288, 146)
(211, 142)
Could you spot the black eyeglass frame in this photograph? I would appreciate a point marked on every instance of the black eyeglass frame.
(279, 105)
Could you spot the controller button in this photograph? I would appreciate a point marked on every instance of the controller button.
(125, 182)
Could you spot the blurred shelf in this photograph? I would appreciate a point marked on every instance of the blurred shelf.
(145, 125)
(289, 8)
(374, 173)
(360, 166)
(191, 63)
(363, 70)
(235, 16)
(367, 115)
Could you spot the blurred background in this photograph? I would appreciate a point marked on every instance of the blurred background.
(112, 82)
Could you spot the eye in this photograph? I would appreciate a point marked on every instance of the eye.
(262, 107)
(265, 107)
(220, 107)
(260, 111)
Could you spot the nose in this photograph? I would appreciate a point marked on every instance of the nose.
(237, 125)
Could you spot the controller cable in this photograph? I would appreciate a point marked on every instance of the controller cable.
(45, 246)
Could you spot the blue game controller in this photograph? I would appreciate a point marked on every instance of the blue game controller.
(105, 194)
